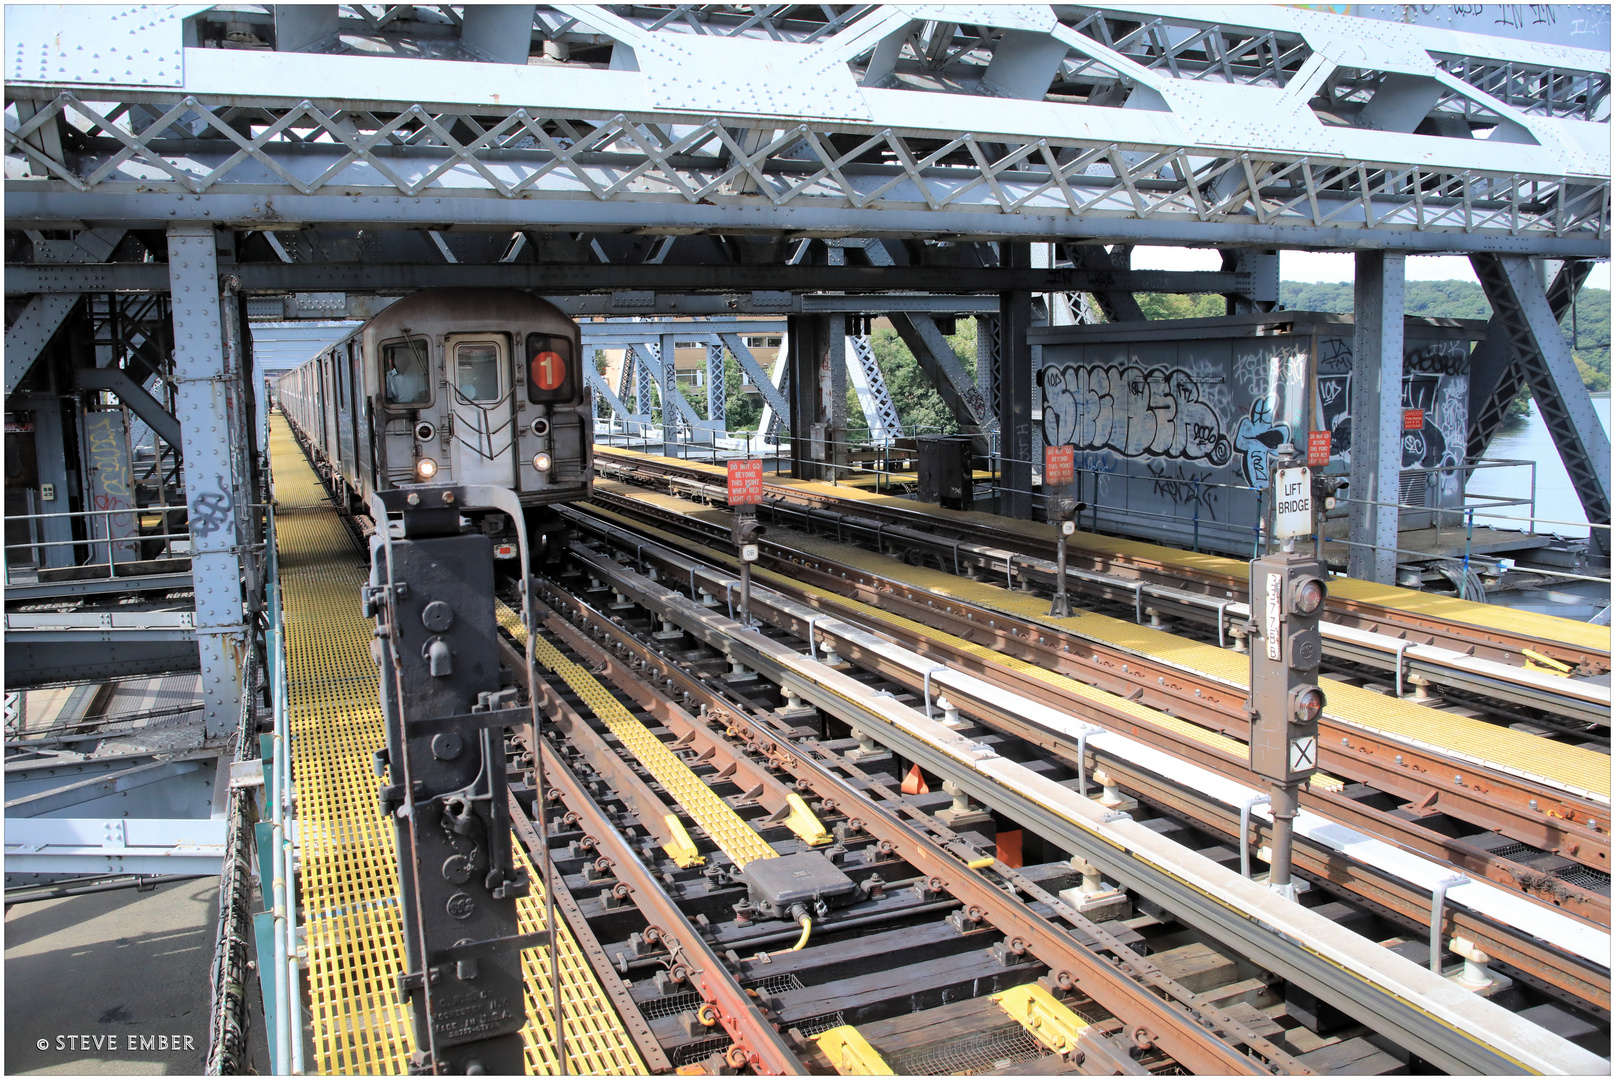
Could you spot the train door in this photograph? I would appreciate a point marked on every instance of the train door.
(364, 433)
(478, 368)
(342, 369)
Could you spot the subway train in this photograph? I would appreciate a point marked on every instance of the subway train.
(462, 386)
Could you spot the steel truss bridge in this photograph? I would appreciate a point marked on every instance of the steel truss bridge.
(172, 170)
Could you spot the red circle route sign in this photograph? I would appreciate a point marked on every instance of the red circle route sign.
(548, 370)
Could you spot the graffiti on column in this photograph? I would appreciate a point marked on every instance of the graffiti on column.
(112, 486)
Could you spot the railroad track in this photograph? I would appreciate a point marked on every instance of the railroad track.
(1424, 637)
(1490, 819)
(1122, 979)
(1361, 812)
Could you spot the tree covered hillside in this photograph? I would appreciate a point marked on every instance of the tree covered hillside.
(1465, 300)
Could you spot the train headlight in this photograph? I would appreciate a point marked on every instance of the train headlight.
(541, 426)
(543, 462)
(425, 468)
(424, 431)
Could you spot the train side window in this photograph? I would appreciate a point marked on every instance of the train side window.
(404, 366)
(476, 370)
(551, 369)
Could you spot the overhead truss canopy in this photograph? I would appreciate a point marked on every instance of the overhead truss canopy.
(1259, 126)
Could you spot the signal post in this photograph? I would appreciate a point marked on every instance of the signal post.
(1287, 593)
(745, 492)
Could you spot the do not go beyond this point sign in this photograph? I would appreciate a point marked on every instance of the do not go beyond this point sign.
(745, 482)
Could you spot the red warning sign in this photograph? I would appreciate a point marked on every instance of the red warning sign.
(745, 482)
(1318, 443)
(1412, 419)
(1058, 470)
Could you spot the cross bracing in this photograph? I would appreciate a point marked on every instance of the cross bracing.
(1289, 128)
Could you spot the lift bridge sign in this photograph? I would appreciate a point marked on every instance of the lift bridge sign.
(1292, 503)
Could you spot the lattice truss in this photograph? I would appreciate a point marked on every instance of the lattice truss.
(1170, 119)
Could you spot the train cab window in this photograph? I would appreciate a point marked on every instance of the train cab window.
(405, 370)
(551, 369)
(476, 370)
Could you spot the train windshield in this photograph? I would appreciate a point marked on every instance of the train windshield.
(551, 370)
(405, 367)
(476, 370)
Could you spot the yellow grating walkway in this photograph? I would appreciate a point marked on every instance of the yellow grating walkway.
(728, 829)
(353, 927)
(1572, 768)
(1593, 639)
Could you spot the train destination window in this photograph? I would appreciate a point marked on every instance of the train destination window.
(551, 373)
(476, 370)
(405, 370)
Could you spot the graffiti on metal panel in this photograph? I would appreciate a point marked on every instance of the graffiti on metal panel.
(1257, 438)
(109, 460)
(1132, 411)
(1185, 485)
(1435, 380)
(210, 511)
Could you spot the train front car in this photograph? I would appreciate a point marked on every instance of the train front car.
(482, 386)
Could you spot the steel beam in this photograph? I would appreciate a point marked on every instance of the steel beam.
(1495, 375)
(1015, 377)
(82, 791)
(45, 658)
(133, 395)
(26, 338)
(808, 342)
(941, 365)
(207, 394)
(1376, 416)
(1521, 305)
(760, 282)
(759, 378)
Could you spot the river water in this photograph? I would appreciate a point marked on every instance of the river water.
(1527, 438)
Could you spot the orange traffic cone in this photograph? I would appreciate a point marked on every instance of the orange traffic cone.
(914, 783)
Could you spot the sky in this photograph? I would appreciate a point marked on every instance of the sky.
(1328, 265)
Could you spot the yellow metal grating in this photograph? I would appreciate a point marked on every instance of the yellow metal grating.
(728, 829)
(1580, 635)
(1574, 768)
(353, 928)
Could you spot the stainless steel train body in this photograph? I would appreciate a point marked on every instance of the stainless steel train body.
(466, 386)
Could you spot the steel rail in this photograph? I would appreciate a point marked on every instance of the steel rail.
(1411, 663)
(1087, 552)
(1070, 962)
(1531, 811)
(762, 1047)
(1421, 1011)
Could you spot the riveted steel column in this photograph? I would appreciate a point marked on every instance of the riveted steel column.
(669, 389)
(717, 390)
(207, 399)
(1015, 392)
(1376, 416)
(811, 381)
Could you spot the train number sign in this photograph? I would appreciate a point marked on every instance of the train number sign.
(548, 370)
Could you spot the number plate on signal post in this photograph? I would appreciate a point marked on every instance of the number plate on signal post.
(745, 482)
